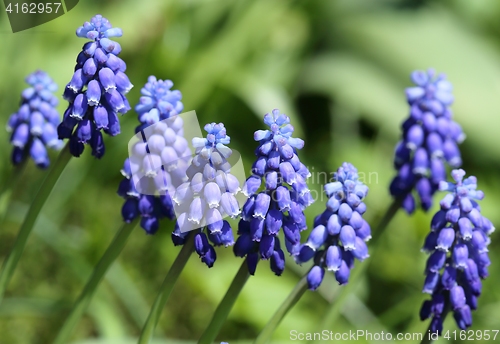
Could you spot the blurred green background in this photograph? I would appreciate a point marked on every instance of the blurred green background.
(338, 68)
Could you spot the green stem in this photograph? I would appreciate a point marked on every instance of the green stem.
(81, 304)
(225, 305)
(43, 193)
(426, 336)
(165, 290)
(359, 270)
(290, 301)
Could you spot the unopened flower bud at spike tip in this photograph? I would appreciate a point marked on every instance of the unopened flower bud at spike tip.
(158, 101)
(457, 245)
(33, 127)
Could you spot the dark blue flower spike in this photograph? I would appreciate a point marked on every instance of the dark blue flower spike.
(430, 141)
(34, 125)
(340, 233)
(209, 195)
(157, 164)
(280, 203)
(458, 248)
(96, 92)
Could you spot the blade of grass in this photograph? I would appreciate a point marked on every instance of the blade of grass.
(81, 304)
(41, 197)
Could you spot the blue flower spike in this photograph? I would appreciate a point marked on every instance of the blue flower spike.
(208, 196)
(280, 203)
(158, 162)
(340, 233)
(430, 141)
(458, 248)
(96, 92)
(33, 127)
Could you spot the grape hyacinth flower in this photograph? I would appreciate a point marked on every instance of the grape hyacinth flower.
(340, 233)
(33, 126)
(430, 141)
(96, 92)
(458, 251)
(281, 203)
(158, 102)
(208, 196)
(157, 164)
